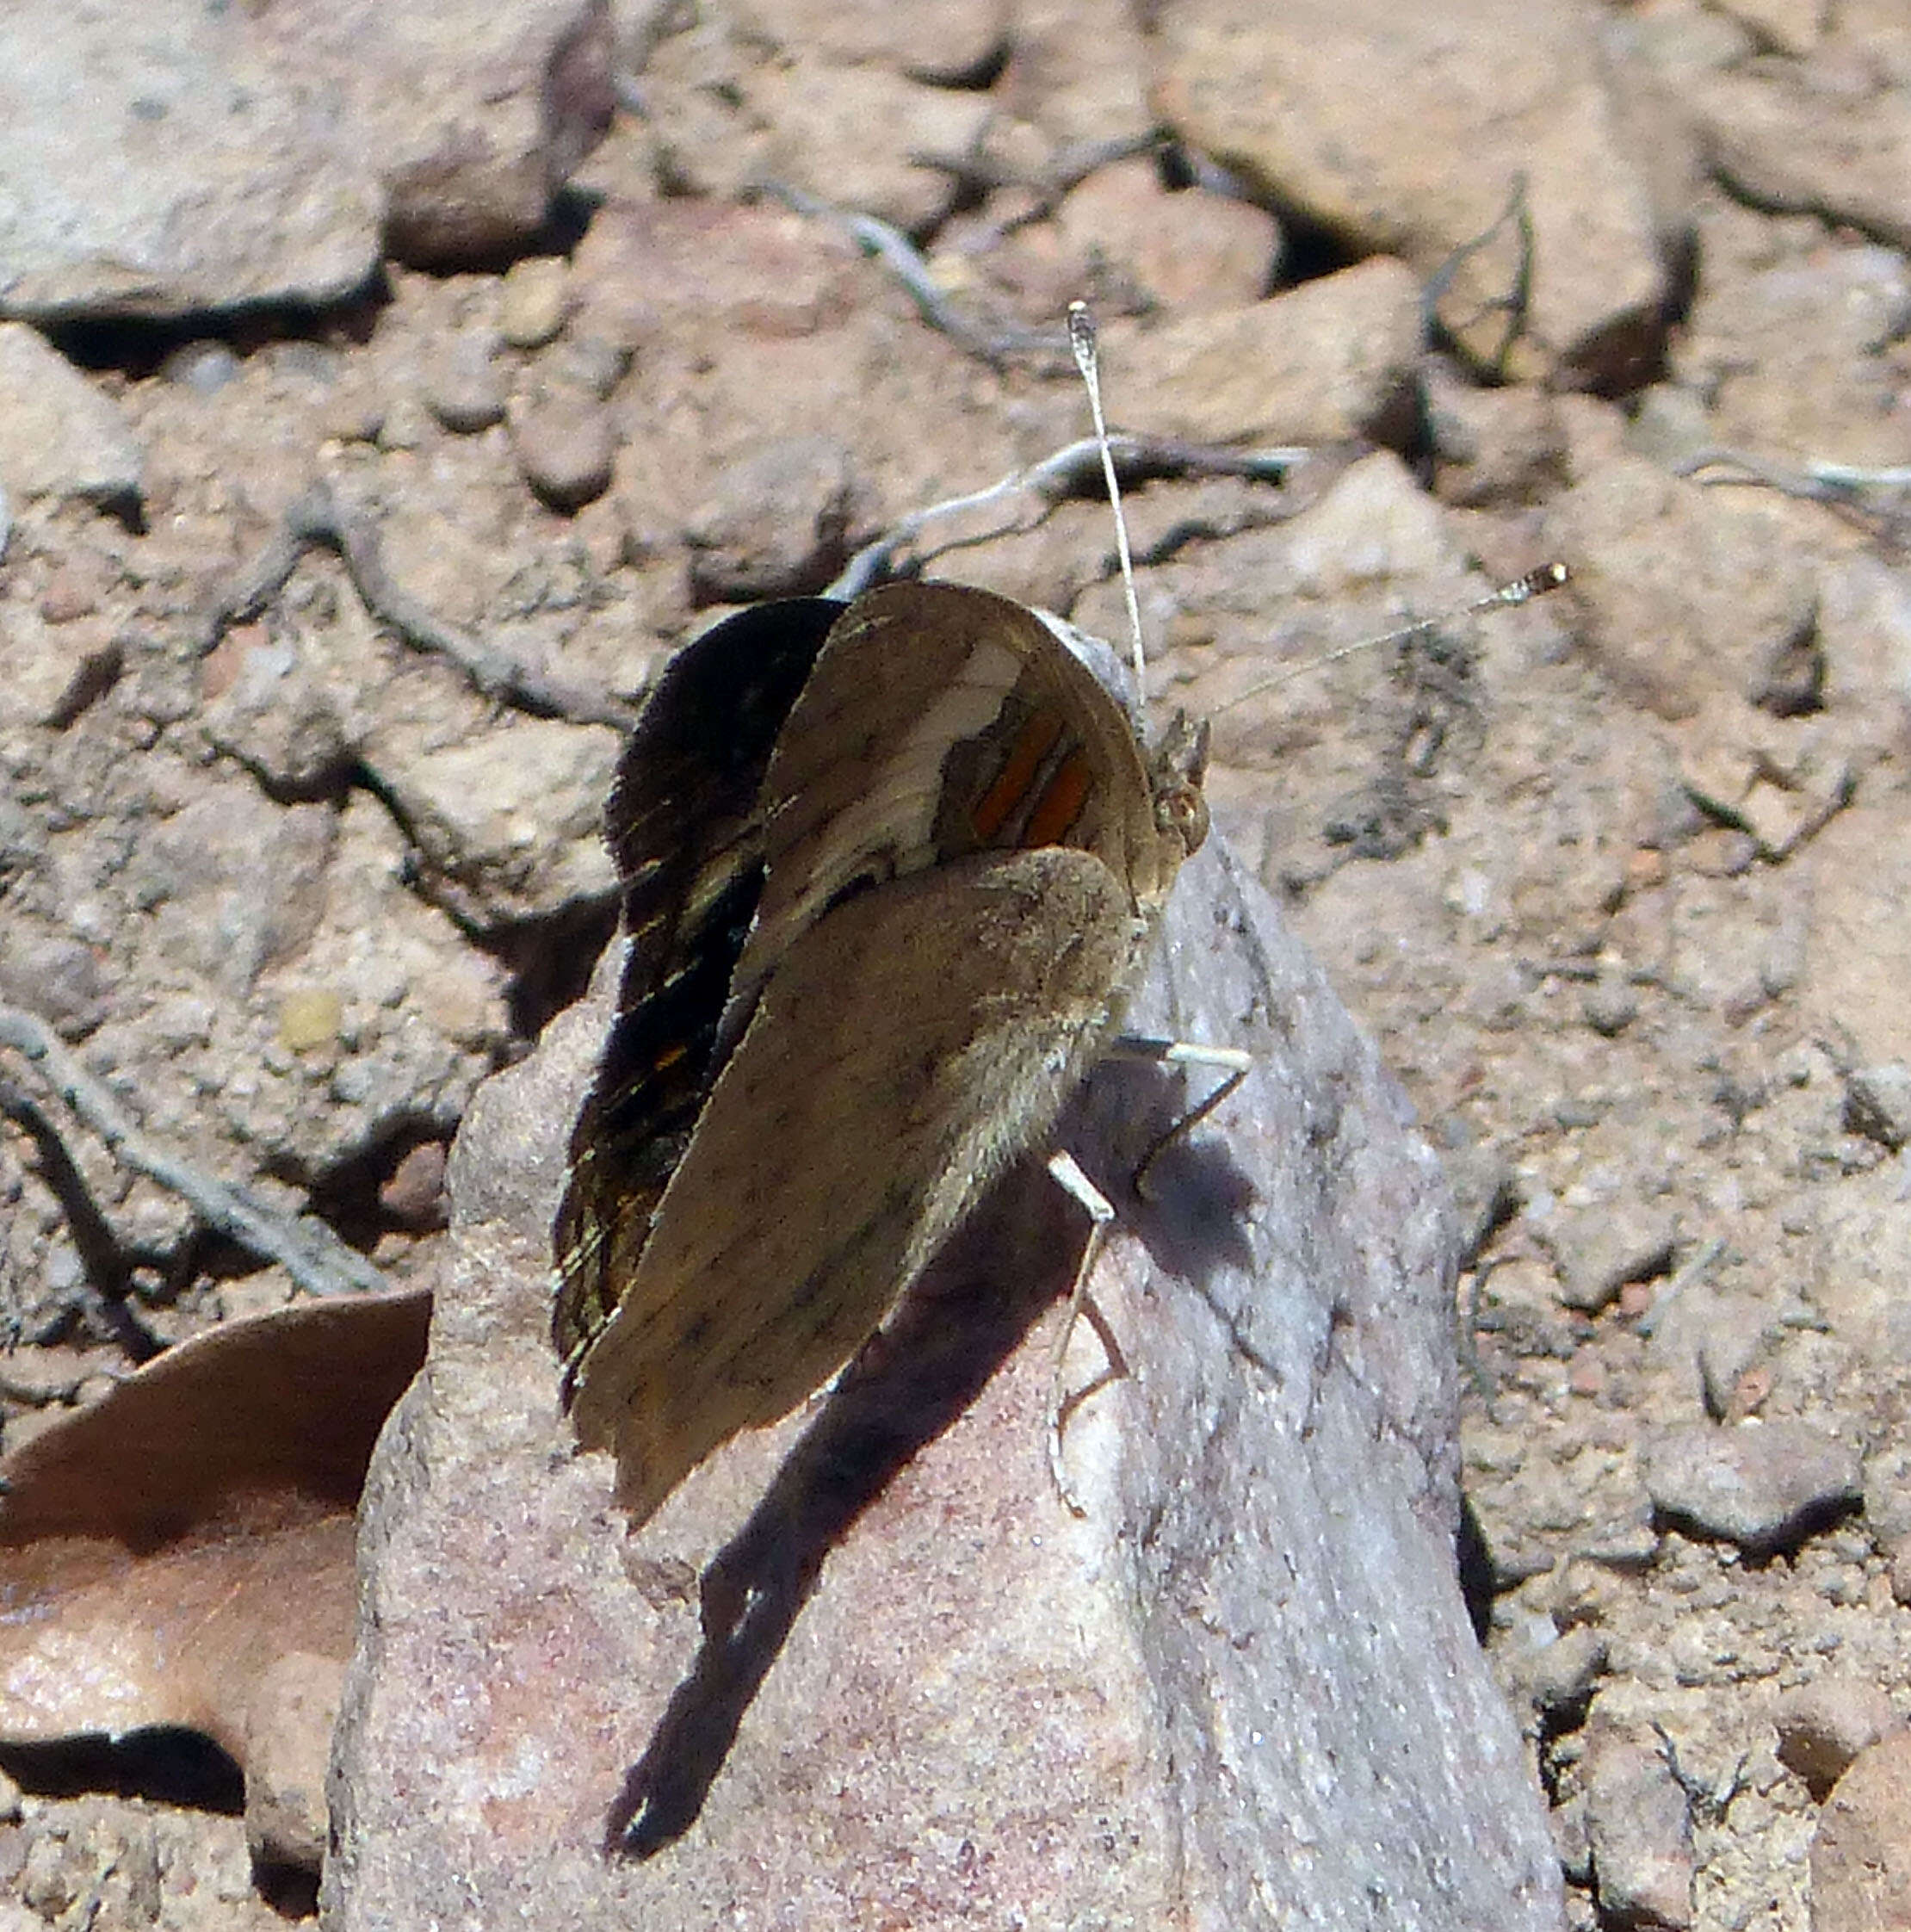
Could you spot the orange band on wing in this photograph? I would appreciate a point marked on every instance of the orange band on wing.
(1032, 744)
(1060, 805)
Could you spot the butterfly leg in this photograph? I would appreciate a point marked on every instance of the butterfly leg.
(1066, 1173)
(1232, 1062)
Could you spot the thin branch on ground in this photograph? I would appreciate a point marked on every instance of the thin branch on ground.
(980, 173)
(1878, 499)
(102, 1256)
(994, 345)
(1513, 306)
(316, 1259)
(317, 518)
(1055, 480)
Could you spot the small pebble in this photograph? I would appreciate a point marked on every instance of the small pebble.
(404, 425)
(59, 978)
(592, 364)
(1764, 1486)
(310, 1017)
(1560, 1680)
(1722, 852)
(565, 448)
(1610, 1005)
(1603, 1252)
(413, 1192)
(774, 523)
(531, 304)
(464, 390)
(205, 367)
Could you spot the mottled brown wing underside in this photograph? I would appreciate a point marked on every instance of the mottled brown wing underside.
(844, 1141)
(853, 996)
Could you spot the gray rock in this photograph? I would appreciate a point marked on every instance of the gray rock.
(204, 367)
(281, 717)
(464, 389)
(59, 437)
(1331, 360)
(1246, 1679)
(947, 42)
(1602, 1251)
(565, 447)
(1861, 1851)
(507, 822)
(1557, 1679)
(1296, 112)
(1609, 1004)
(57, 977)
(774, 523)
(285, 1761)
(533, 301)
(1774, 136)
(854, 133)
(513, 99)
(195, 179)
(1185, 249)
(1765, 1486)
(230, 156)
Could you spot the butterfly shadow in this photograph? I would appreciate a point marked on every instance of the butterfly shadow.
(970, 1311)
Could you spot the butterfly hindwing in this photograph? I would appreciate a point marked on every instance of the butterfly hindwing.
(844, 1141)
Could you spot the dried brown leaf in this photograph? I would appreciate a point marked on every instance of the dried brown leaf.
(181, 1551)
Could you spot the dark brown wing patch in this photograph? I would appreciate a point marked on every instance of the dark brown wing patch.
(681, 830)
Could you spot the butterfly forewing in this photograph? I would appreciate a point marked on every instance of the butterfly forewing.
(942, 720)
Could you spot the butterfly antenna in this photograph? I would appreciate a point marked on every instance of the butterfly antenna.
(1521, 590)
(1081, 344)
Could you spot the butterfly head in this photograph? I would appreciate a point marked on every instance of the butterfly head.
(1178, 765)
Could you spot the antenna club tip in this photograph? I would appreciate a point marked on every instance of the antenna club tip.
(1537, 583)
(1081, 334)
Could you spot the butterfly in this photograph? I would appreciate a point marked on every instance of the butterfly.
(888, 868)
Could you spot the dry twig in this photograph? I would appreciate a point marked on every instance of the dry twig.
(315, 1258)
(318, 519)
(1054, 480)
(900, 256)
